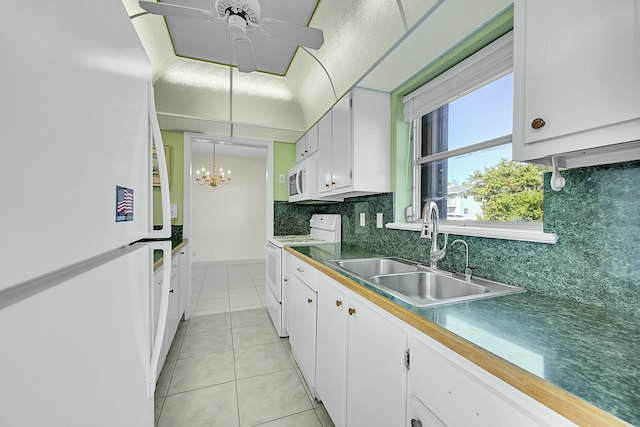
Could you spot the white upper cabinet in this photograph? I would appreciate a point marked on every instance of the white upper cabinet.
(311, 142)
(301, 148)
(355, 145)
(325, 153)
(576, 79)
(308, 144)
(342, 144)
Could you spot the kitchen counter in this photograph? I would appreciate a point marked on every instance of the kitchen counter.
(157, 255)
(582, 361)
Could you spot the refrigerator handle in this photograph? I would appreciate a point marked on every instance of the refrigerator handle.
(165, 231)
(165, 246)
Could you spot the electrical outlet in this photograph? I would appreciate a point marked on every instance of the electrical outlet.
(174, 210)
(379, 220)
(281, 178)
(362, 219)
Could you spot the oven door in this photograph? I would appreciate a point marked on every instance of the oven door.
(274, 270)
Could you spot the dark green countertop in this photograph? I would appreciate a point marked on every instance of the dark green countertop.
(588, 351)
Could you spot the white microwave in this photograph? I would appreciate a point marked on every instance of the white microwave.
(303, 183)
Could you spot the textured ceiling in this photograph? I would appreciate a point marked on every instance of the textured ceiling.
(377, 44)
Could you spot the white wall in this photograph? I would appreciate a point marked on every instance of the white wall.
(228, 222)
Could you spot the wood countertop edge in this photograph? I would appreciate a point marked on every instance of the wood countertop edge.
(158, 264)
(561, 401)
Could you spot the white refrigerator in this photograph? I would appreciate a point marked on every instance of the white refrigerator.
(78, 129)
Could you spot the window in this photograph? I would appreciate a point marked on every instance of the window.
(461, 139)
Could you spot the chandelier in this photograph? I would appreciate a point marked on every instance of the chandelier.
(213, 178)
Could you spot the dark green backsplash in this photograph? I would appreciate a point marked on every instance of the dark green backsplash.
(596, 260)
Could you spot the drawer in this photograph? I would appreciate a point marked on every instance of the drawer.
(303, 271)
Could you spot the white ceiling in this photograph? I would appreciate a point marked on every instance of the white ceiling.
(227, 148)
(377, 44)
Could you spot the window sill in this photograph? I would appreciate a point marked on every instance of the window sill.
(510, 233)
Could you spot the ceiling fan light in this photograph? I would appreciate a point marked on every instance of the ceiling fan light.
(237, 25)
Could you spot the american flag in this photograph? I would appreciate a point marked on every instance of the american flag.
(124, 200)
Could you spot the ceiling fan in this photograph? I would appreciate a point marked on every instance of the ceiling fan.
(242, 16)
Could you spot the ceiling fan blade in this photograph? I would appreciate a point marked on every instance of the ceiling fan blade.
(244, 55)
(294, 33)
(168, 9)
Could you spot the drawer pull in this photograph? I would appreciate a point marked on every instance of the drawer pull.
(538, 123)
(309, 300)
(351, 311)
(300, 270)
(338, 303)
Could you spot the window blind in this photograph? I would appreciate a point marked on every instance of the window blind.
(488, 64)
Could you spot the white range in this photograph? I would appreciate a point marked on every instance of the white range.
(325, 228)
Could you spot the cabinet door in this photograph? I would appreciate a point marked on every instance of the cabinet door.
(173, 315)
(331, 357)
(376, 379)
(311, 139)
(342, 143)
(301, 149)
(577, 67)
(302, 327)
(325, 153)
(460, 393)
(185, 283)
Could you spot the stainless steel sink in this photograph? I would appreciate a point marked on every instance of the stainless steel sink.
(424, 284)
(419, 285)
(369, 267)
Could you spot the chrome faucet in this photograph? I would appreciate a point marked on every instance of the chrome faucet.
(467, 270)
(430, 217)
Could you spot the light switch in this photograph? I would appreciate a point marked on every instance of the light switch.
(362, 219)
(281, 178)
(174, 210)
(379, 220)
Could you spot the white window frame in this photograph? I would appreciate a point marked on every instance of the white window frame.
(489, 64)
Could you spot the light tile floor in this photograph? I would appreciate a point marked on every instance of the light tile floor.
(227, 366)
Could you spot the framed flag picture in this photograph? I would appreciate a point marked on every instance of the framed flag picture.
(156, 171)
(124, 204)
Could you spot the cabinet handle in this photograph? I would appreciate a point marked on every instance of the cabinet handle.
(416, 423)
(351, 311)
(333, 183)
(326, 185)
(170, 291)
(286, 280)
(300, 270)
(538, 123)
(309, 300)
(338, 303)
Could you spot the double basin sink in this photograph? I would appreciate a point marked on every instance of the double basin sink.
(419, 285)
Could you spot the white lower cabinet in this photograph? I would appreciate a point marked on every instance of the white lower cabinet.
(353, 353)
(177, 289)
(447, 390)
(376, 373)
(302, 327)
(331, 356)
(360, 371)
